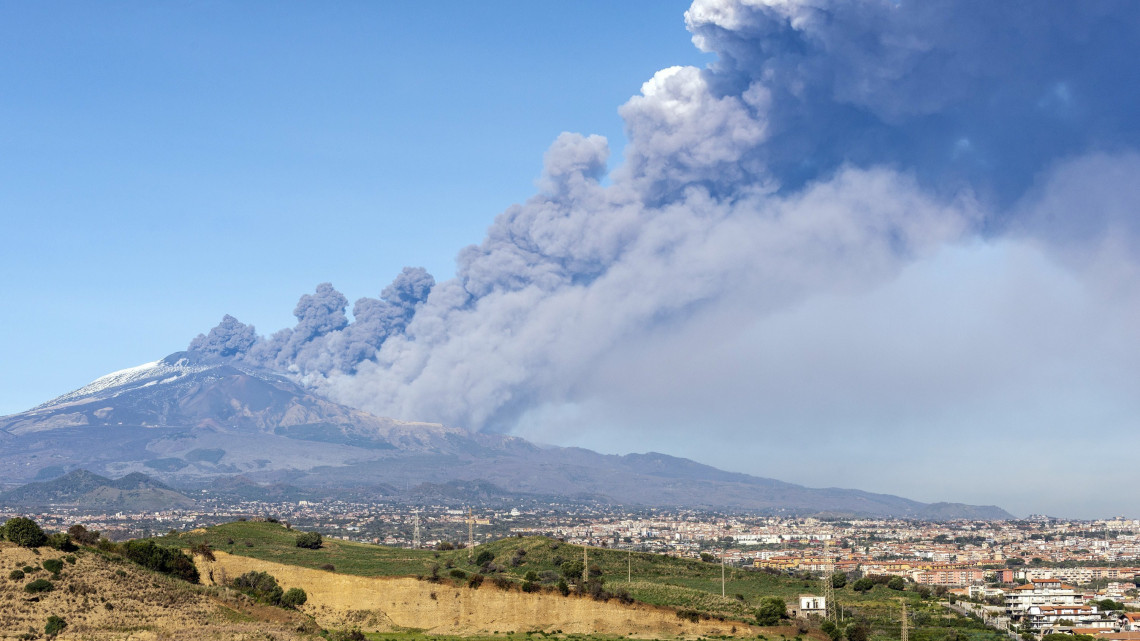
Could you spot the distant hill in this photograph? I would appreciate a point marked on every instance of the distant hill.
(80, 488)
(242, 432)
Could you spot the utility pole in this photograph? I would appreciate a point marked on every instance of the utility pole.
(585, 565)
(830, 606)
(470, 536)
(903, 636)
(416, 532)
(722, 572)
(629, 569)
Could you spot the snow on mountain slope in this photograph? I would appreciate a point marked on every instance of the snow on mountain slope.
(167, 370)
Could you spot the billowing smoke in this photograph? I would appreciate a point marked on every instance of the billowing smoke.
(830, 146)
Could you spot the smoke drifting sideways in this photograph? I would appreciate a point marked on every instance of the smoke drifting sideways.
(832, 144)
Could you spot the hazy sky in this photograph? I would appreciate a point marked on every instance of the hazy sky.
(865, 244)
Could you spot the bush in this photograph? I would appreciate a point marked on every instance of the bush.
(838, 580)
(772, 609)
(329, 567)
(458, 574)
(857, 631)
(160, 559)
(82, 535)
(55, 566)
(54, 625)
(897, 583)
(293, 598)
(16, 575)
(39, 585)
(484, 557)
(70, 558)
(864, 584)
(24, 532)
(203, 550)
(310, 540)
(259, 585)
(830, 629)
(475, 581)
(62, 542)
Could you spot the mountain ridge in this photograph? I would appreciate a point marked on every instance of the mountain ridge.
(191, 419)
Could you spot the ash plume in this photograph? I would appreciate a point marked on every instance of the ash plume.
(830, 146)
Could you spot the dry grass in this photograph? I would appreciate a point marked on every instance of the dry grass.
(102, 598)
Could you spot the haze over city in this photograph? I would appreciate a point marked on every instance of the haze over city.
(890, 246)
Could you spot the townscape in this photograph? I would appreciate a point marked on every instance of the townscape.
(1035, 575)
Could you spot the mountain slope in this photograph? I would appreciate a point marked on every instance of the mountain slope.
(91, 491)
(194, 420)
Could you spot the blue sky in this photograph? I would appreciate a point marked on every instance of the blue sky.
(889, 245)
(165, 164)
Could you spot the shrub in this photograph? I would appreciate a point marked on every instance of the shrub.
(160, 559)
(39, 585)
(310, 540)
(329, 566)
(62, 542)
(563, 587)
(897, 583)
(475, 581)
(203, 550)
(55, 566)
(16, 575)
(29, 569)
(458, 574)
(259, 585)
(24, 532)
(293, 598)
(82, 535)
(484, 557)
(54, 625)
(70, 558)
(771, 610)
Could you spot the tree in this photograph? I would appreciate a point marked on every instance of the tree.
(62, 542)
(864, 584)
(259, 585)
(160, 559)
(831, 630)
(858, 631)
(897, 583)
(572, 570)
(484, 557)
(82, 535)
(771, 610)
(24, 532)
(838, 580)
(310, 540)
(293, 598)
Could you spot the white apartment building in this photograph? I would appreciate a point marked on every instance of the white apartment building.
(1039, 592)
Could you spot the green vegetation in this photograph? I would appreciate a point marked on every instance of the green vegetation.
(16, 575)
(161, 559)
(39, 585)
(54, 625)
(870, 608)
(24, 532)
(309, 540)
(263, 587)
(55, 566)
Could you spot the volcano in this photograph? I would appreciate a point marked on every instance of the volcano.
(193, 420)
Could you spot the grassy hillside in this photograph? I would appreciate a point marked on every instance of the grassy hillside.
(683, 584)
